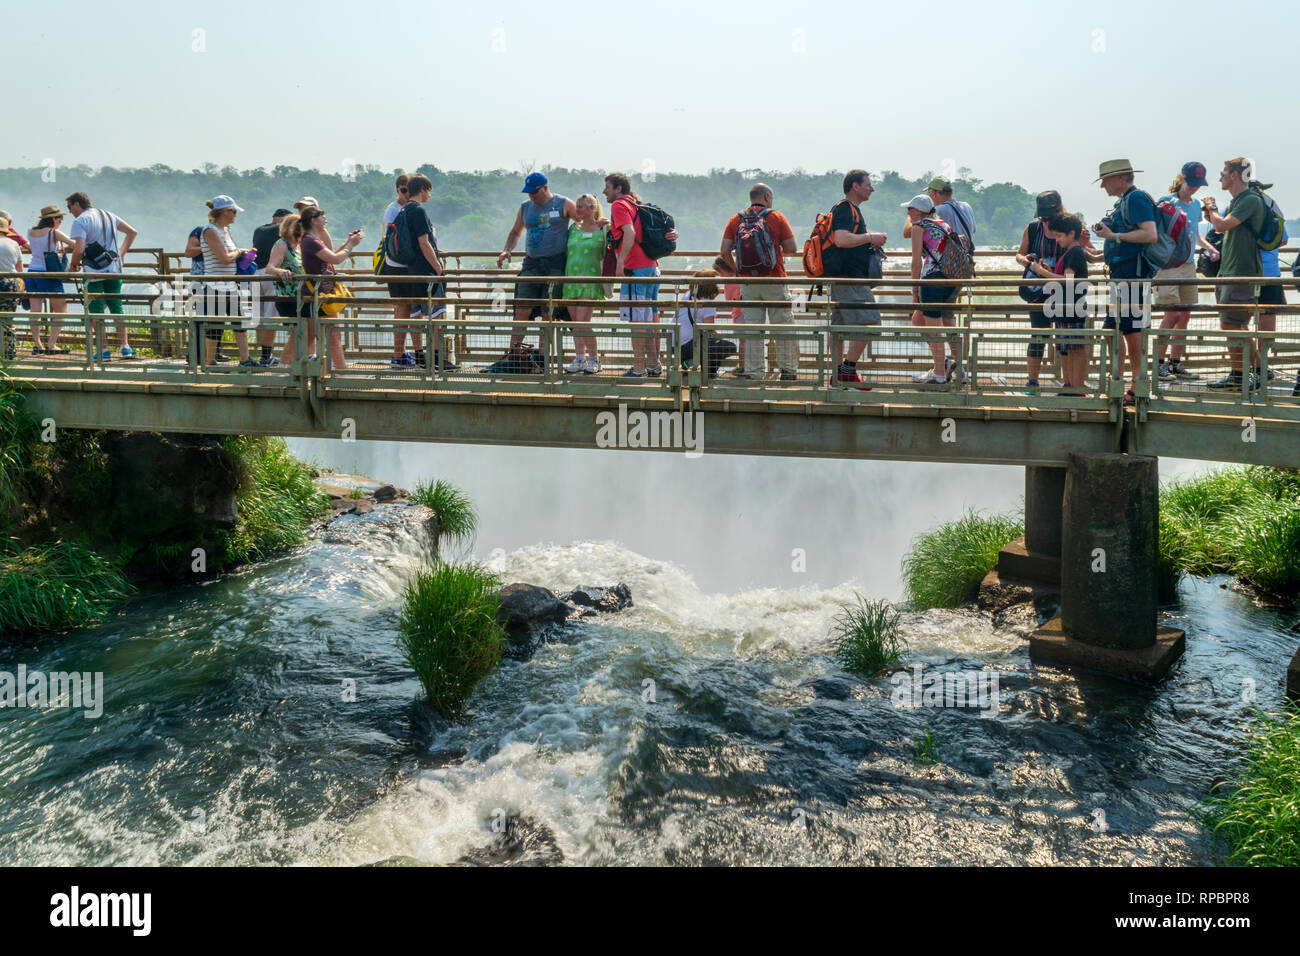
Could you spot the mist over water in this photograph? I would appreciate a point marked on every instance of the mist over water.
(734, 522)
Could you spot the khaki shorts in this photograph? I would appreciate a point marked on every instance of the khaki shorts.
(1236, 295)
(1175, 294)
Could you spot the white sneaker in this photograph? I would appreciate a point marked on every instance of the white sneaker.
(577, 365)
(929, 378)
(954, 371)
(592, 367)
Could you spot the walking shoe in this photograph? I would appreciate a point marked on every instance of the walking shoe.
(271, 362)
(1229, 382)
(849, 376)
(444, 366)
(633, 373)
(405, 360)
(929, 378)
(1176, 366)
(953, 371)
(1165, 373)
(1253, 383)
(221, 358)
(789, 376)
(128, 352)
(249, 362)
(106, 355)
(591, 368)
(1271, 374)
(577, 365)
(1031, 386)
(654, 371)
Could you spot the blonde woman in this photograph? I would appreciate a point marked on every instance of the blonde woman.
(221, 298)
(285, 263)
(586, 251)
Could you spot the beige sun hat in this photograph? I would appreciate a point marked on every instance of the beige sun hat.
(1115, 167)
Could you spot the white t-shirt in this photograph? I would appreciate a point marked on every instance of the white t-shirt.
(98, 225)
(691, 314)
(10, 255)
(390, 217)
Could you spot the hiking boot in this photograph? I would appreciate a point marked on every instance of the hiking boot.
(789, 376)
(1229, 383)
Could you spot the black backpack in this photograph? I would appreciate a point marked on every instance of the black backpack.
(655, 226)
(397, 240)
(1205, 264)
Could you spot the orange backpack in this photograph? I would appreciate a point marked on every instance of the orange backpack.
(815, 248)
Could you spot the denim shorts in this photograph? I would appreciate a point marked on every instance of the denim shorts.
(632, 292)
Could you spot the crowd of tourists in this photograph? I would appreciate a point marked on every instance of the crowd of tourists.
(1146, 242)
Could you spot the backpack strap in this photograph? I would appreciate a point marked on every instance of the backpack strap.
(957, 209)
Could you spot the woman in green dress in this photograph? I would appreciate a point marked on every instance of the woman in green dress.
(587, 239)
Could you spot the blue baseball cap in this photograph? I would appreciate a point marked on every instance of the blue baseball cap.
(1194, 174)
(534, 182)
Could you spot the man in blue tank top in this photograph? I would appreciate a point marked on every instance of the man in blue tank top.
(544, 218)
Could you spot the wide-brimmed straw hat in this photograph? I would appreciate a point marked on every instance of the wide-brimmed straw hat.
(1115, 167)
(51, 212)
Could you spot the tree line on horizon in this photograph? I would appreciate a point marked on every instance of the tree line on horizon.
(474, 210)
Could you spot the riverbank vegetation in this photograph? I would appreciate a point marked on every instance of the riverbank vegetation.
(1257, 811)
(946, 564)
(865, 637)
(1242, 521)
(450, 632)
(80, 526)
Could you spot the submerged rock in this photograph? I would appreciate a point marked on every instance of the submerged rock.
(523, 842)
(597, 600)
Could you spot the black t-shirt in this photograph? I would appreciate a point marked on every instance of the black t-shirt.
(263, 239)
(1039, 245)
(851, 263)
(417, 225)
(1074, 260)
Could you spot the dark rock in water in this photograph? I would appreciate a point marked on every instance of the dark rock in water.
(831, 688)
(597, 600)
(527, 611)
(384, 493)
(1017, 605)
(523, 842)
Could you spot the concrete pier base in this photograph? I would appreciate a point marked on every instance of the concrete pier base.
(1051, 645)
(1110, 536)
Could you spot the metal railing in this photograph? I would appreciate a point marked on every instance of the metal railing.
(988, 340)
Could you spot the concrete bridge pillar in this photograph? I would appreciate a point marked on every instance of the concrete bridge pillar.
(1110, 534)
(1044, 500)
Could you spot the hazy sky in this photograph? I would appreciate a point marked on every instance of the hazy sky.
(1035, 93)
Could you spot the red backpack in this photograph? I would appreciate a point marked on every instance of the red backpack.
(756, 252)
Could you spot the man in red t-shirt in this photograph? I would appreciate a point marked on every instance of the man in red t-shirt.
(763, 256)
(632, 261)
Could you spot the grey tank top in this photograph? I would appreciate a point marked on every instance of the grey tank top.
(545, 227)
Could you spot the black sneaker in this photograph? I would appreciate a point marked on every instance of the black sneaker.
(1229, 382)
(654, 371)
(789, 377)
(221, 358)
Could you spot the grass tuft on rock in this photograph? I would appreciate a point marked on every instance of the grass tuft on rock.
(457, 518)
(56, 585)
(945, 565)
(865, 637)
(1257, 811)
(450, 633)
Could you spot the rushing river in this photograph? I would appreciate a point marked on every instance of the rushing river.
(268, 718)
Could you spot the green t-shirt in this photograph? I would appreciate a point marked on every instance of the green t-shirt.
(1240, 244)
